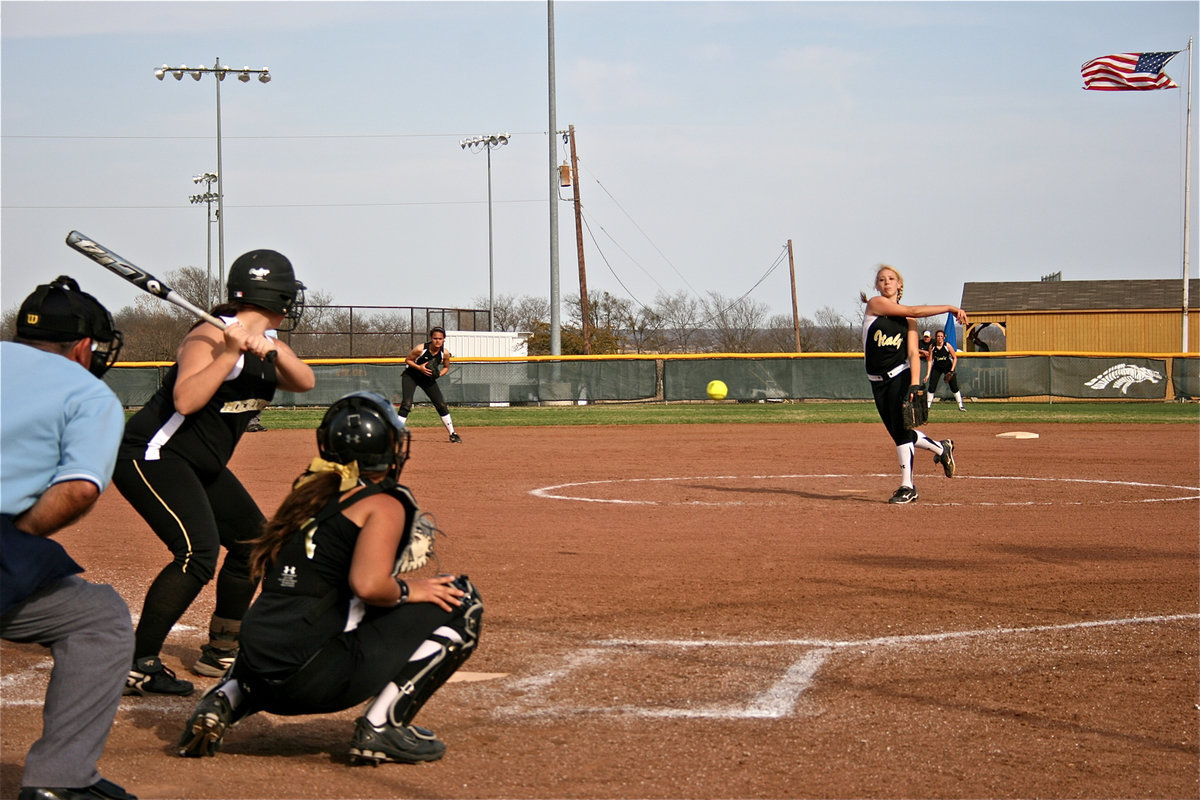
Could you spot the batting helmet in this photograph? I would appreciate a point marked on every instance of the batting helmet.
(364, 427)
(265, 278)
(59, 312)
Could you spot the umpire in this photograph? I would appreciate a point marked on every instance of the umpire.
(59, 431)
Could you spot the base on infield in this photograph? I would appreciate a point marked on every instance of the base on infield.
(1017, 435)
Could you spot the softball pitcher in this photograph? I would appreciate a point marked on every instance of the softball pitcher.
(893, 367)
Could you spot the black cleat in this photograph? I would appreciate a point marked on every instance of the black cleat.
(946, 459)
(905, 494)
(150, 676)
(391, 744)
(206, 727)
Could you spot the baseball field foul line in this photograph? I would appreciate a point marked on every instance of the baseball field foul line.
(780, 698)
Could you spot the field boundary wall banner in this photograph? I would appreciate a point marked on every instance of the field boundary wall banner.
(753, 377)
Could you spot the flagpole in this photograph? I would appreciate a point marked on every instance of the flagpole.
(1187, 201)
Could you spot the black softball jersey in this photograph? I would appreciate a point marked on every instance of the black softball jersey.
(205, 439)
(943, 358)
(885, 346)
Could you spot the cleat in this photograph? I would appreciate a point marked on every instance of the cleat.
(905, 494)
(946, 459)
(391, 744)
(962, 408)
(214, 662)
(150, 676)
(206, 727)
(455, 438)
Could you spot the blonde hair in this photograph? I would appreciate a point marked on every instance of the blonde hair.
(900, 293)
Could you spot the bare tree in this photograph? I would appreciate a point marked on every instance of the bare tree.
(735, 324)
(511, 313)
(680, 316)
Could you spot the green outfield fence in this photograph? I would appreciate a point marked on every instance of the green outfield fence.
(762, 377)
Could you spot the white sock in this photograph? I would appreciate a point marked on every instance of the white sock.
(449, 425)
(925, 443)
(929, 400)
(377, 712)
(905, 453)
(958, 397)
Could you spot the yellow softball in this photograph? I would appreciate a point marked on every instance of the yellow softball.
(717, 390)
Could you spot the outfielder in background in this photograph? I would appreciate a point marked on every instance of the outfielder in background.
(336, 624)
(894, 368)
(59, 431)
(943, 361)
(425, 364)
(172, 463)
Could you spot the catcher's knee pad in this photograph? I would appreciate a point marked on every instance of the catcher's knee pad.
(438, 657)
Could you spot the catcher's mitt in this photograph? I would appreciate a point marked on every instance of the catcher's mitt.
(915, 408)
(420, 543)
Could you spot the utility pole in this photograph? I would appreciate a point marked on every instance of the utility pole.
(584, 304)
(795, 312)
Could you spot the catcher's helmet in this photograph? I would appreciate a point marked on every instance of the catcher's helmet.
(364, 427)
(59, 312)
(265, 278)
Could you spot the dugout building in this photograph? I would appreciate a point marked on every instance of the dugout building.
(1094, 316)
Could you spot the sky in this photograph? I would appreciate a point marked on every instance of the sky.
(953, 140)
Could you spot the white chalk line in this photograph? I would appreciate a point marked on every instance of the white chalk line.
(559, 491)
(780, 698)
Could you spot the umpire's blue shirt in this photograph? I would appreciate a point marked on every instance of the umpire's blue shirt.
(58, 422)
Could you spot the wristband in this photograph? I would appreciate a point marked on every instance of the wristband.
(403, 592)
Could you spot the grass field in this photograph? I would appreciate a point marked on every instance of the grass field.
(751, 413)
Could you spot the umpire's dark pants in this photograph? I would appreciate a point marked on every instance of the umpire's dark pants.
(88, 630)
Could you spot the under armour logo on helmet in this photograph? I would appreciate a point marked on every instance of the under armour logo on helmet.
(259, 273)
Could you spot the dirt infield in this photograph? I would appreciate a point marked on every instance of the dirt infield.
(735, 611)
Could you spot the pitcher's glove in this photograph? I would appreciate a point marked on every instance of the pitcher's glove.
(915, 409)
(420, 544)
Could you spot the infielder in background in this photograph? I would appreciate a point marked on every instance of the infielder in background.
(424, 365)
(893, 367)
(335, 624)
(943, 361)
(172, 463)
(59, 431)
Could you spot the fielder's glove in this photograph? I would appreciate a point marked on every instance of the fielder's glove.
(420, 544)
(915, 408)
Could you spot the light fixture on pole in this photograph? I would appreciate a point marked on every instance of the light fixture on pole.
(476, 144)
(243, 74)
(207, 198)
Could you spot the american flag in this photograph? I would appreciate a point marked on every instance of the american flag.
(1125, 71)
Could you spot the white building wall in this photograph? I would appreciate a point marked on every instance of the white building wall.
(486, 344)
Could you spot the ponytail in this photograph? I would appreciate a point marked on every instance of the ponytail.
(309, 495)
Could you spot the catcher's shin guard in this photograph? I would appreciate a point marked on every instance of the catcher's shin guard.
(436, 659)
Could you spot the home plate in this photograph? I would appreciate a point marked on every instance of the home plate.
(1017, 435)
(471, 677)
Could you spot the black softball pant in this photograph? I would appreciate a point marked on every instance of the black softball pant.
(889, 399)
(951, 380)
(194, 516)
(408, 388)
(355, 665)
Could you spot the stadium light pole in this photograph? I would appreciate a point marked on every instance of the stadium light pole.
(477, 144)
(243, 75)
(207, 197)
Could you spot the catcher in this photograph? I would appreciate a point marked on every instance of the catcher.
(943, 362)
(893, 367)
(335, 624)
